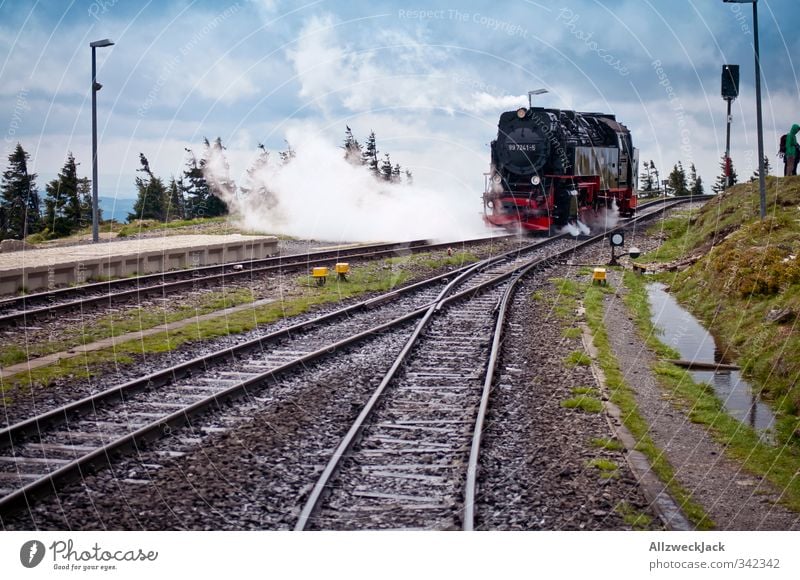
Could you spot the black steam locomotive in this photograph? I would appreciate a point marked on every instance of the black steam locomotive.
(550, 168)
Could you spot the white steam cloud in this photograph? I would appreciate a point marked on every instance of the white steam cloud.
(319, 195)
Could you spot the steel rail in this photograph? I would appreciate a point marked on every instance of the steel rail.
(50, 482)
(189, 278)
(40, 423)
(313, 503)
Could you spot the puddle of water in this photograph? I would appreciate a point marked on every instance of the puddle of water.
(684, 333)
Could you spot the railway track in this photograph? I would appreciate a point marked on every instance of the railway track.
(22, 310)
(410, 458)
(45, 452)
(41, 454)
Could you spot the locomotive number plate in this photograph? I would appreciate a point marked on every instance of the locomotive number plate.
(521, 147)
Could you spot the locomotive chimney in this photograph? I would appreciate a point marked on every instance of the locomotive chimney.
(534, 92)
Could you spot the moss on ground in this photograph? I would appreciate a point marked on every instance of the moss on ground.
(748, 268)
(777, 463)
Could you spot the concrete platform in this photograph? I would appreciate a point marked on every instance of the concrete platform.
(40, 270)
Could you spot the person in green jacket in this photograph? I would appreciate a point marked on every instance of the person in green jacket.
(791, 151)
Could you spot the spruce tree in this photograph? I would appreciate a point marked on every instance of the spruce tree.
(396, 173)
(151, 199)
(63, 210)
(767, 169)
(721, 183)
(175, 204)
(370, 155)
(677, 180)
(85, 200)
(647, 179)
(352, 148)
(220, 184)
(19, 198)
(195, 187)
(697, 186)
(386, 168)
(287, 155)
(409, 177)
(254, 183)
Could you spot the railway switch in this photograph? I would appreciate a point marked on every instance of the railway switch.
(320, 274)
(342, 270)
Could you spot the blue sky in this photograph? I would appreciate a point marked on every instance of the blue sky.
(430, 78)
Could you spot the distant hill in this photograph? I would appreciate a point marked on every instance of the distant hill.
(116, 208)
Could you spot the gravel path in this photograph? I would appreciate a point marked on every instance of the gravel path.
(734, 498)
(536, 470)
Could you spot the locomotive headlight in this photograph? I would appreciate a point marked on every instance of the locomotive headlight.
(521, 112)
(496, 178)
(536, 180)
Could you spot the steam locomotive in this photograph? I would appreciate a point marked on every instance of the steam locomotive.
(551, 168)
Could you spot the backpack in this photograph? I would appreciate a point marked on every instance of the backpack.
(782, 147)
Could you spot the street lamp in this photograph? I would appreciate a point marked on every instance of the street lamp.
(95, 87)
(535, 92)
(762, 180)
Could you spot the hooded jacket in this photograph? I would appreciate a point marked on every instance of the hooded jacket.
(791, 141)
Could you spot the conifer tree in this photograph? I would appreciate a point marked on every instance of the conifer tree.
(352, 148)
(175, 201)
(220, 184)
(195, 188)
(647, 179)
(19, 198)
(370, 155)
(151, 199)
(767, 169)
(677, 180)
(85, 200)
(409, 177)
(63, 209)
(386, 168)
(287, 155)
(396, 173)
(697, 187)
(721, 183)
(255, 185)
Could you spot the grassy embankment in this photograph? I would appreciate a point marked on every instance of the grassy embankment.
(301, 295)
(747, 269)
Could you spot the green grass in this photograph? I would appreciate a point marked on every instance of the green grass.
(577, 358)
(376, 276)
(747, 268)
(778, 463)
(608, 444)
(132, 320)
(633, 517)
(607, 468)
(572, 332)
(585, 399)
(623, 397)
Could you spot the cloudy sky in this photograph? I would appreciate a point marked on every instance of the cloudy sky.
(429, 77)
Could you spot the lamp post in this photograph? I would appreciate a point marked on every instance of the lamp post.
(95, 87)
(535, 92)
(762, 180)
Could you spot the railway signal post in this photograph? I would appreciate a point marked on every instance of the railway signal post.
(730, 90)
